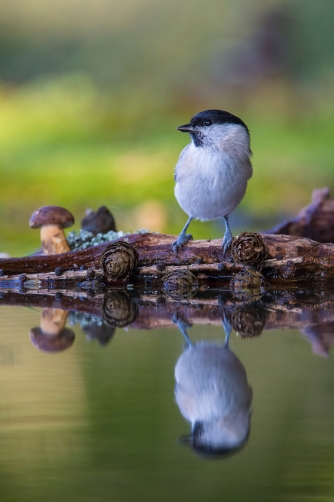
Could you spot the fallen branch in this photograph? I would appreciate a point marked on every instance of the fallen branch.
(287, 259)
(279, 258)
(315, 221)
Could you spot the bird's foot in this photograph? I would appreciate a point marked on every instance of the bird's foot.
(227, 241)
(181, 241)
(227, 328)
(182, 324)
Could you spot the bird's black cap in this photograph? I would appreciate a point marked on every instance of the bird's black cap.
(209, 117)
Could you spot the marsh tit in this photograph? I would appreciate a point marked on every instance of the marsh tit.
(213, 394)
(212, 171)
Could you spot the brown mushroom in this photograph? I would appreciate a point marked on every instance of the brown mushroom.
(100, 331)
(52, 336)
(52, 220)
(56, 343)
(98, 222)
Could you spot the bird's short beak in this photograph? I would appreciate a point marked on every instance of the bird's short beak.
(186, 128)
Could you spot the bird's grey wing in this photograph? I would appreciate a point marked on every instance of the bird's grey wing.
(182, 155)
(248, 168)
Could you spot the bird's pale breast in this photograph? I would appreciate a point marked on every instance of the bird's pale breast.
(210, 182)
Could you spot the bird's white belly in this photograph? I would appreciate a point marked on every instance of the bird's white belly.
(208, 192)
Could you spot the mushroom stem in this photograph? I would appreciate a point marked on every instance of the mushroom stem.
(53, 240)
(53, 321)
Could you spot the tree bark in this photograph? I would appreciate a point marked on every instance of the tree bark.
(286, 258)
(315, 221)
(277, 310)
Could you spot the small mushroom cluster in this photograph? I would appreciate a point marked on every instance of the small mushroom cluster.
(53, 219)
(119, 259)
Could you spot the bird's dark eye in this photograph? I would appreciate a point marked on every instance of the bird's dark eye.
(207, 122)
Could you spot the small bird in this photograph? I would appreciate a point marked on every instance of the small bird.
(212, 171)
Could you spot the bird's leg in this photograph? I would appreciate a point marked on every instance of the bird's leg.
(182, 325)
(227, 328)
(183, 238)
(228, 237)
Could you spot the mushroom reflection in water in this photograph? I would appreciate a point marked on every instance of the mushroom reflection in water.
(99, 330)
(52, 336)
(213, 394)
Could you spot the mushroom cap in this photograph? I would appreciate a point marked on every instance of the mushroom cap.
(99, 222)
(48, 215)
(102, 333)
(56, 343)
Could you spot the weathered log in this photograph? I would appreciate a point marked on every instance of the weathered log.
(287, 259)
(315, 221)
(283, 258)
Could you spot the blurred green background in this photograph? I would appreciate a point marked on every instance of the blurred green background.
(91, 94)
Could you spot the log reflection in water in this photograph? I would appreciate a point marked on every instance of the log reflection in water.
(119, 309)
(309, 311)
(321, 337)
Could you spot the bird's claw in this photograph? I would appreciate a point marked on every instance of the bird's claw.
(180, 320)
(183, 325)
(181, 241)
(227, 241)
(227, 328)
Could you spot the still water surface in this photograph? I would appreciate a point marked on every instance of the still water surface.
(100, 421)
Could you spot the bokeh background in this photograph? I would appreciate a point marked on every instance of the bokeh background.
(91, 94)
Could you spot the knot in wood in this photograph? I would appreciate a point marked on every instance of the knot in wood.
(92, 284)
(90, 274)
(59, 271)
(248, 321)
(180, 284)
(118, 309)
(160, 266)
(248, 247)
(119, 260)
(247, 284)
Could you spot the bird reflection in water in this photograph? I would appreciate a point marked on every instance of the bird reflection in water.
(213, 394)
